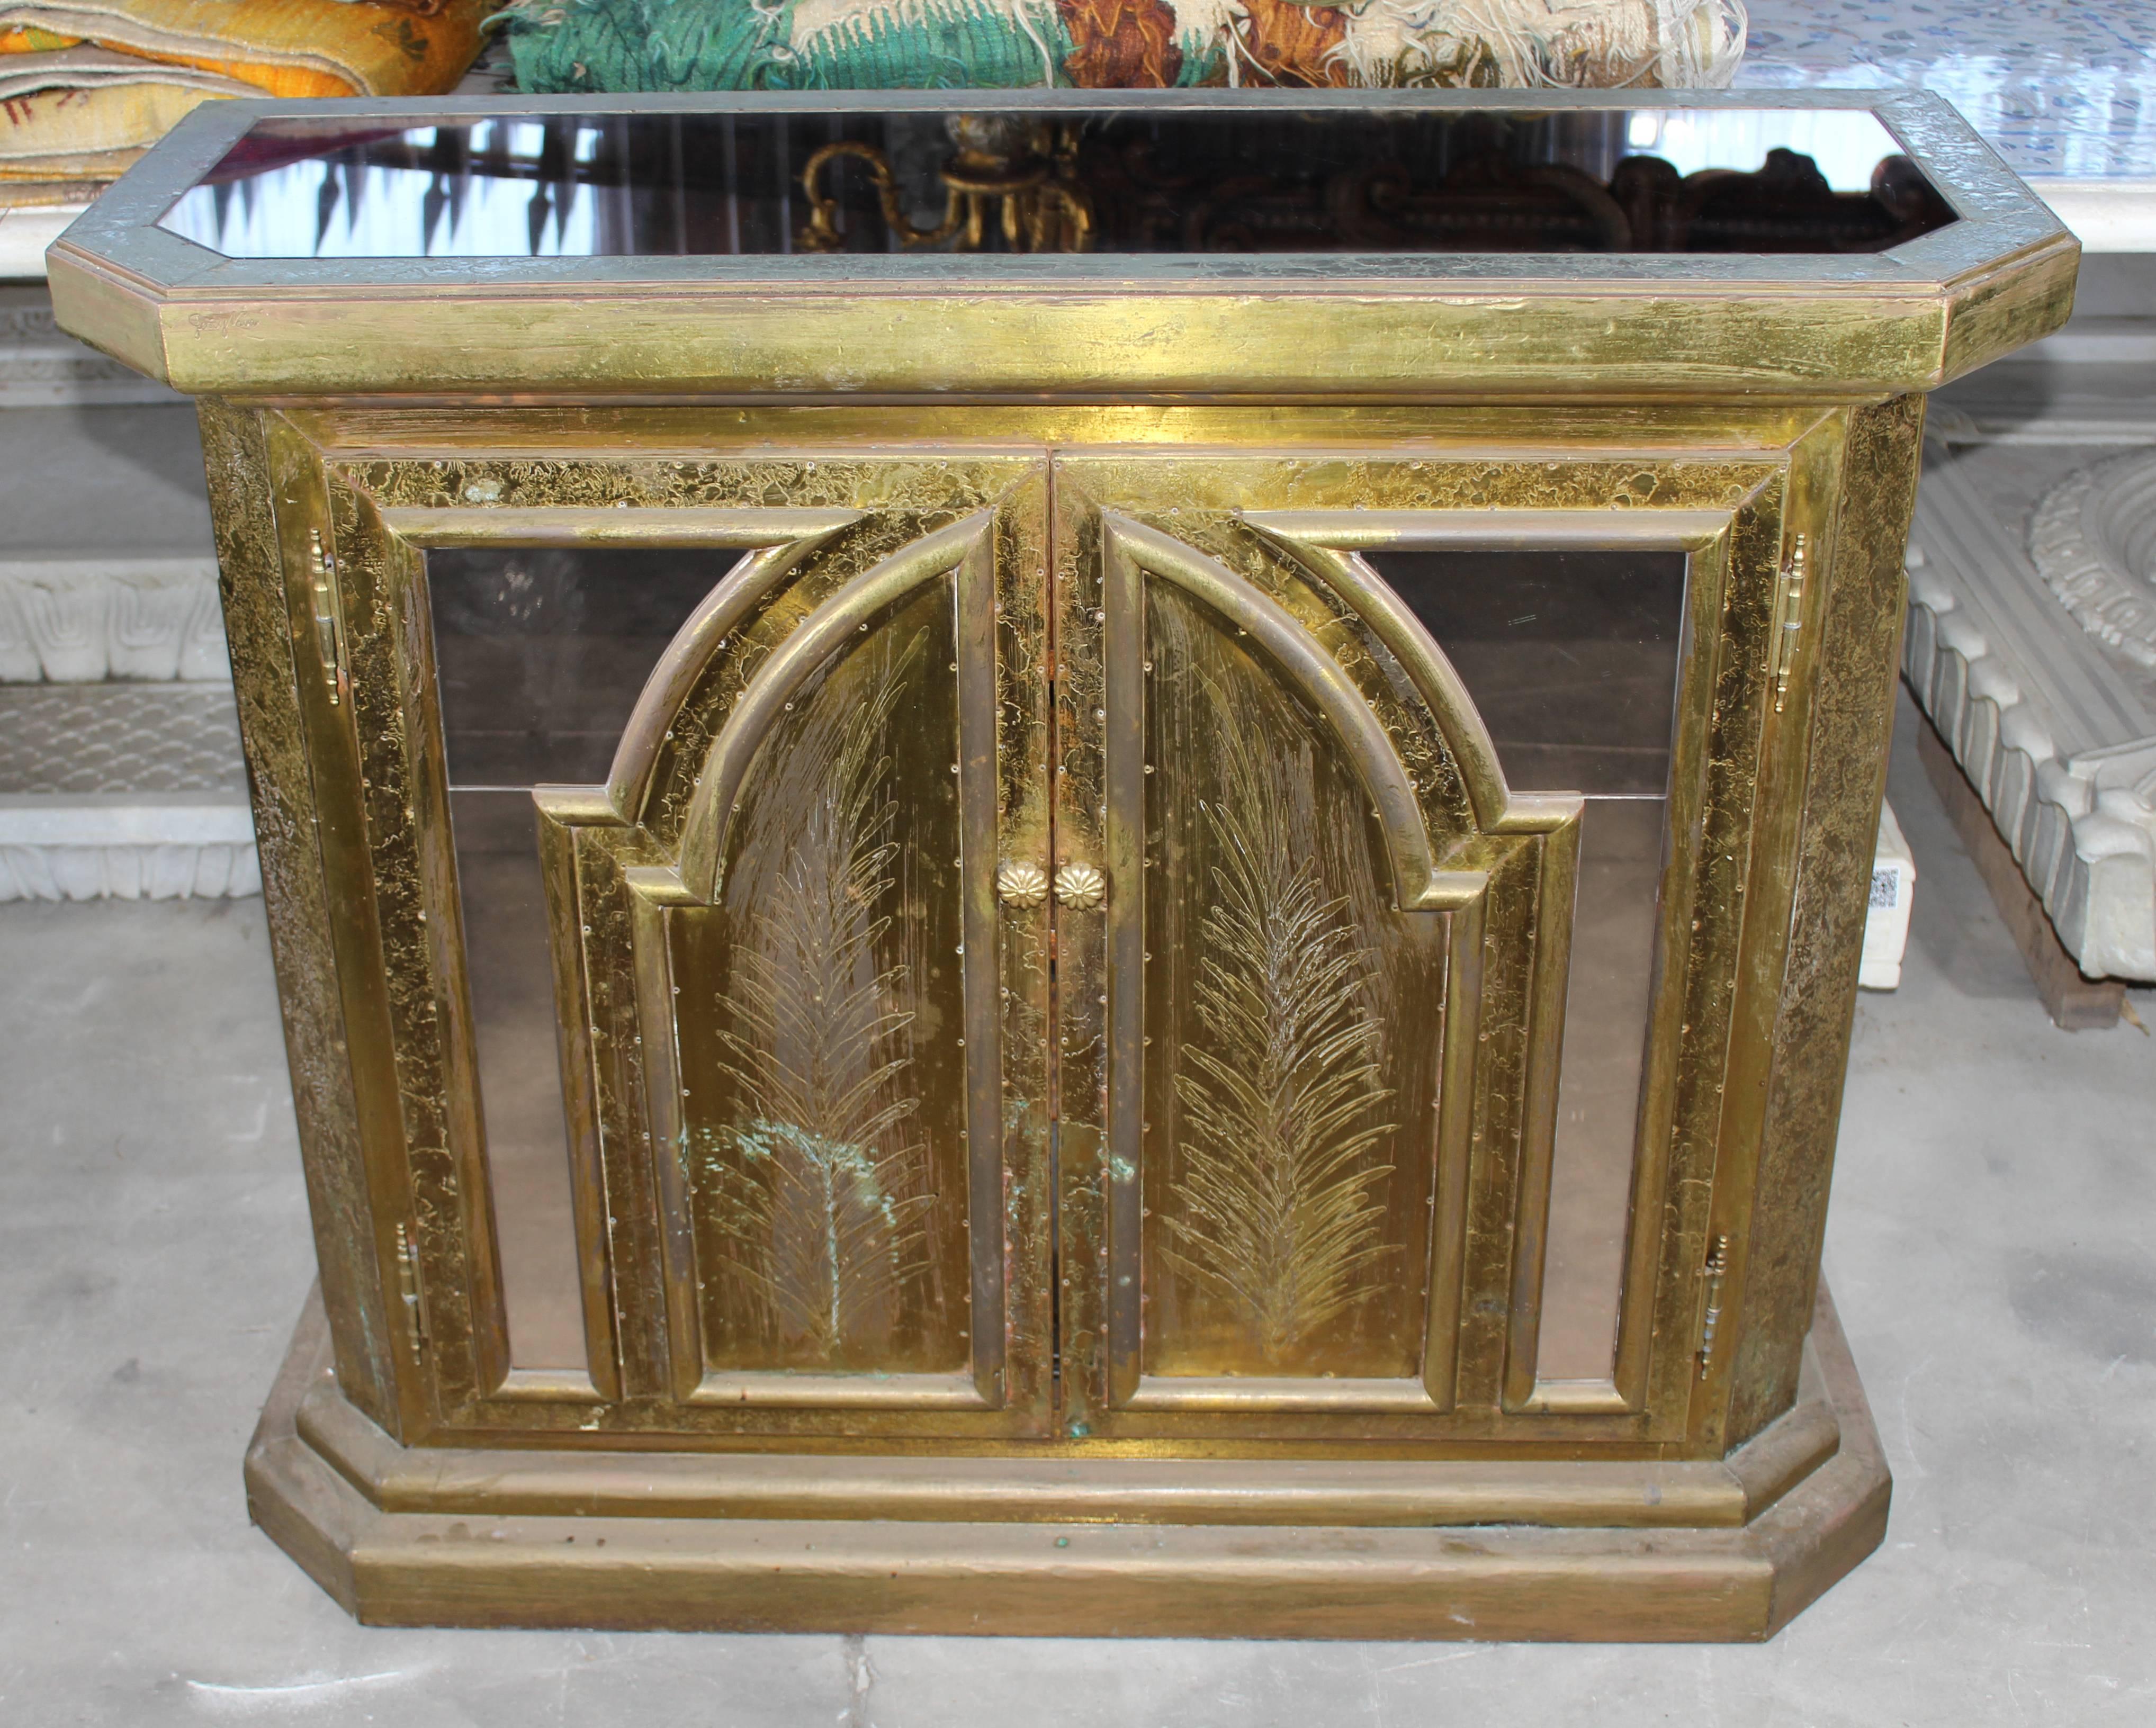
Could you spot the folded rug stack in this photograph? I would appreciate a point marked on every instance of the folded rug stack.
(580, 45)
(87, 85)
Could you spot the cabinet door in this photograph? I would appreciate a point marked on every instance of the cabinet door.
(758, 1014)
(1314, 952)
(841, 1022)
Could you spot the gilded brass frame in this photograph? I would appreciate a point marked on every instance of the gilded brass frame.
(1733, 514)
(1028, 326)
(1051, 428)
(371, 542)
(966, 548)
(1728, 509)
(1331, 544)
(382, 481)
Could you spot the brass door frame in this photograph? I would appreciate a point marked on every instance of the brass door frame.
(967, 549)
(1734, 514)
(1332, 543)
(364, 973)
(353, 532)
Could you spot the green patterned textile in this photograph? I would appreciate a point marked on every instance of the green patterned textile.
(578, 46)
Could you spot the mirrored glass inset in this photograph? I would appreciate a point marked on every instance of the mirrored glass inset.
(541, 655)
(1572, 659)
(1229, 178)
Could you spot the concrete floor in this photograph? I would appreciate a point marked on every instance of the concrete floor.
(1989, 1247)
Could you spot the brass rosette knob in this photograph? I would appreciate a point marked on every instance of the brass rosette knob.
(1020, 883)
(1082, 887)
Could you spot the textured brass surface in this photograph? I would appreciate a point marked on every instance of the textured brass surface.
(986, 342)
(876, 740)
(1023, 886)
(1401, 1310)
(258, 626)
(1081, 887)
(1399, 326)
(1860, 642)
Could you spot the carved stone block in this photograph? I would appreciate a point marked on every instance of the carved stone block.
(2023, 654)
(74, 620)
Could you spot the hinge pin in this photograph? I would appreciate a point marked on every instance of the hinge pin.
(1717, 1267)
(329, 617)
(1789, 620)
(407, 1288)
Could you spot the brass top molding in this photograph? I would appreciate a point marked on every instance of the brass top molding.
(834, 328)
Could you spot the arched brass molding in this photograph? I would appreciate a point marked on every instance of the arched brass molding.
(1330, 544)
(838, 620)
(1420, 884)
(717, 614)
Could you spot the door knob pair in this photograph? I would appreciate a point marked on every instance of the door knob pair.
(1082, 887)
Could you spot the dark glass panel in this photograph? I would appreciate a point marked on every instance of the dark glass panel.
(1229, 177)
(1572, 659)
(540, 654)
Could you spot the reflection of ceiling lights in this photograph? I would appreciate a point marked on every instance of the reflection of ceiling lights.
(1845, 144)
(373, 211)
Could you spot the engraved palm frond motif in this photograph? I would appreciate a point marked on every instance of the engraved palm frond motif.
(816, 1191)
(1280, 1201)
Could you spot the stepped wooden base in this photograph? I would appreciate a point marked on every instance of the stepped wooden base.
(1462, 1548)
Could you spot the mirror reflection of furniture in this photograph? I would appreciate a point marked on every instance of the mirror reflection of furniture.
(1038, 189)
(1149, 939)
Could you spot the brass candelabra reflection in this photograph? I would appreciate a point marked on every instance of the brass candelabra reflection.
(1018, 174)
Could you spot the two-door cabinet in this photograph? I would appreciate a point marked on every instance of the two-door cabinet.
(1095, 868)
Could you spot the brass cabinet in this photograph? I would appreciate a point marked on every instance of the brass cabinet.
(1102, 1006)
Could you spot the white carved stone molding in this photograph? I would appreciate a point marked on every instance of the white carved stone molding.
(124, 791)
(2057, 735)
(2093, 537)
(78, 620)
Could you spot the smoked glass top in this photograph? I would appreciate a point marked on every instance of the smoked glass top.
(1231, 179)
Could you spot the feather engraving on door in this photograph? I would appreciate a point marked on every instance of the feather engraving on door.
(818, 1191)
(1281, 1205)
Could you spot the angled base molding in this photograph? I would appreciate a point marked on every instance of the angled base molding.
(1081, 1547)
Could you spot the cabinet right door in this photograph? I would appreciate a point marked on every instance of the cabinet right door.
(1340, 835)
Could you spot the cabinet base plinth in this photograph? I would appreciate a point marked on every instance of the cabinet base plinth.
(436, 1536)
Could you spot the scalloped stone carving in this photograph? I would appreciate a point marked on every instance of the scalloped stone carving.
(76, 621)
(2093, 538)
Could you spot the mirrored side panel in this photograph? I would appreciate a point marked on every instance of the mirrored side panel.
(540, 654)
(1572, 658)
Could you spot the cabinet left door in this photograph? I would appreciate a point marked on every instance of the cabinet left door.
(697, 1061)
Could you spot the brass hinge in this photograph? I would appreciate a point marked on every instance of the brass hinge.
(1717, 1268)
(329, 617)
(407, 1289)
(1789, 620)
